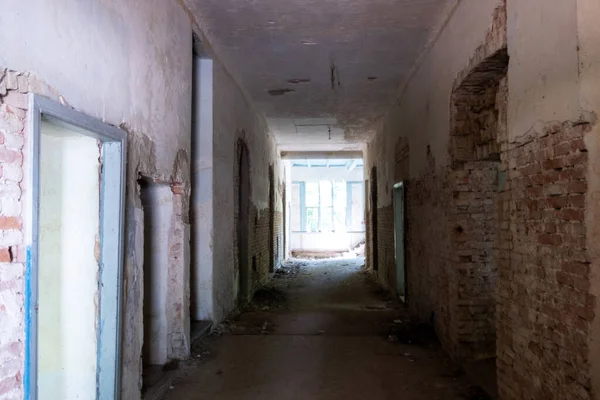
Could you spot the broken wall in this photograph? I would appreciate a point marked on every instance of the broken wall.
(412, 144)
(236, 119)
(545, 247)
(106, 60)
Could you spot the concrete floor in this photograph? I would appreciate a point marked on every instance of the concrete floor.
(322, 330)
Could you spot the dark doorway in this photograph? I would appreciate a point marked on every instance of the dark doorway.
(271, 219)
(374, 218)
(243, 219)
(399, 238)
(285, 223)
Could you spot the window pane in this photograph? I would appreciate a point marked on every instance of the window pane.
(296, 210)
(312, 194)
(339, 206)
(358, 210)
(326, 194)
(326, 219)
(312, 219)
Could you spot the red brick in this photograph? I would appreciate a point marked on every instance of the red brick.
(577, 187)
(551, 240)
(577, 200)
(586, 313)
(577, 144)
(576, 268)
(562, 149)
(10, 383)
(7, 223)
(5, 255)
(577, 159)
(564, 279)
(11, 156)
(571, 214)
(178, 189)
(553, 164)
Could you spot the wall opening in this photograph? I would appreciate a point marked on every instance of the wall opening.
(373, 203)
(399, 238)
(201, 204)
(243, 221)
(68, 266)
(326, 206)
(73, 279)
(285, 219)
(272, 245)
(157, 203)
(477, 124)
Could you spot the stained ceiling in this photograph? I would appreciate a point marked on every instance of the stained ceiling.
(322, 71)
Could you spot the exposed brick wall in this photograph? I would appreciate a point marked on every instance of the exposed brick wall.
(178, 287)
(477, 113)
(386, 252)
(544, 305)
(14, 87)
(429, 283)
(473, 268)
(259, 248)
(279, 239)
(369, 262)
(260, 240)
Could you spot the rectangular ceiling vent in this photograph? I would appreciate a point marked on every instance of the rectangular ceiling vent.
(312, 129)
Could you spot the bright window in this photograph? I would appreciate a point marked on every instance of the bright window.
(327, 206)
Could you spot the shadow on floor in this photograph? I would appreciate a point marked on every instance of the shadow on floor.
(324, 330)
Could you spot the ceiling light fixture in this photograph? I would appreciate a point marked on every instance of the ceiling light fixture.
(308, 42)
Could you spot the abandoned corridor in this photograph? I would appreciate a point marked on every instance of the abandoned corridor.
(162, 160)
(321, 330)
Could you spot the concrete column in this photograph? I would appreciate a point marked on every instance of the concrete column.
(157, 200)
(178, 288)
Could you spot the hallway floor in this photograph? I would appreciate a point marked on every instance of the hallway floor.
(321, 330)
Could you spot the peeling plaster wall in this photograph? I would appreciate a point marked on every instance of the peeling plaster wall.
(235, 118)
(119, 61)
(589, 78)
(202, 191)
(548, 253)
(128, 63)
(543, 73)
(420, 121)
(421, 114)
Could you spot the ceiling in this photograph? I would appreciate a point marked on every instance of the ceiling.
(322, 71)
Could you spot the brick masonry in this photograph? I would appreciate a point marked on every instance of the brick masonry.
(545, 308)
(497, 254)
(13, 115)
(259, 240)
(14, 89)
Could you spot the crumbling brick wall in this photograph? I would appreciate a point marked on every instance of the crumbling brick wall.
(13, 115)
(477, 112)
(428, 250)
(278, 253)
(260, 230)
(473, 267)
(386, 251)
(545, 307)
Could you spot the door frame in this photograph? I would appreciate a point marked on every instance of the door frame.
(400, 188)
(110, 268)
(373, 203)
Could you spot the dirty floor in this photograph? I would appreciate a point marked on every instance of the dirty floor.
(321, 330)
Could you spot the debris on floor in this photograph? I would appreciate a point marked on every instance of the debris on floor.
(335, 319)
(267, 298)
